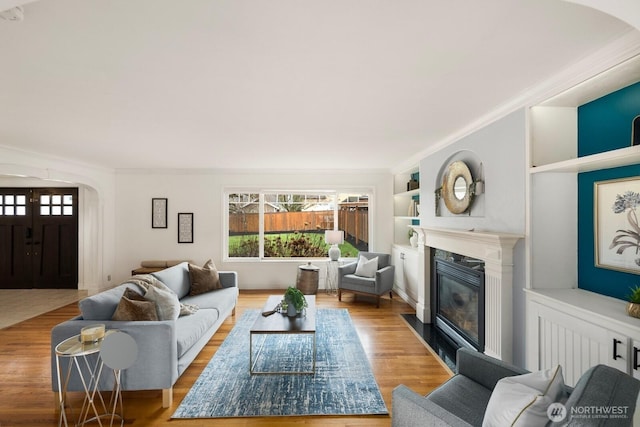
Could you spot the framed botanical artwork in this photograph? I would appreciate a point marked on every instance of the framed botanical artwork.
(185, 227)
(617, 232)
(158, 213)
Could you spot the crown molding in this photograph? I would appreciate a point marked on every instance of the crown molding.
(266, 171)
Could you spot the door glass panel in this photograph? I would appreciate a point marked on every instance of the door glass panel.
(56, 199)
(67, 199)
(56, 210)
(67, 210)
(13, 204)
(45, 199)
(45, 210)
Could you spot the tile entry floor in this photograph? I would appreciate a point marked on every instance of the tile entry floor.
(17, 305)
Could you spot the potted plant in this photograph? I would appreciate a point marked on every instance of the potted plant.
(294, 300)
(633, 307)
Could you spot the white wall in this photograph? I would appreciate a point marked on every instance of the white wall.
(201, 192)
(96, 205)
(500, 146)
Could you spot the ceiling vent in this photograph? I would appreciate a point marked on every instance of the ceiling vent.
(13, 14)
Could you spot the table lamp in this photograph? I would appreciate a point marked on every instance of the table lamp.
(334, 238)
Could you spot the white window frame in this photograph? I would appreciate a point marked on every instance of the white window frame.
(261, 197)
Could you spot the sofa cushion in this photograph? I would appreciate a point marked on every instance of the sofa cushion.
(463, 397)
(133, 306)
(189, 329)
(357, 283)
(167, 304)
(176, 278)
(203, 279)
(101, 306)
(221, 299)
(524, 399)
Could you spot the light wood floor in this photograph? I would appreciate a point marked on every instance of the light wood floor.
(396, 354)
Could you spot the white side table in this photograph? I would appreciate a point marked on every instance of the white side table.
(331, 278)
(89, 370)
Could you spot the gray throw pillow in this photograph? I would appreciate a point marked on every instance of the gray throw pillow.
(134, 306)
(367, 267)
(167, 303)
(203, 279)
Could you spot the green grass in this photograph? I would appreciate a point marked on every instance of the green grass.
(246, 245)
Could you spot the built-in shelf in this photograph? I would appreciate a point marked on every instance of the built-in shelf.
(415, 192)
(405, 211)
(615, 158)
(564, 324)
(405, 247)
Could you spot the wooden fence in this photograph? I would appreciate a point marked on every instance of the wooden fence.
(353, 220)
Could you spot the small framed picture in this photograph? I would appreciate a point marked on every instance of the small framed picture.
(158, 213)
(185, 227)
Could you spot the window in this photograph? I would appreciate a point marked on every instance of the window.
(275, 225)
(11, 205)
(56, 204)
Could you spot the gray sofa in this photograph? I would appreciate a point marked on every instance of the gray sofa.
(463, 399)
(165, 347)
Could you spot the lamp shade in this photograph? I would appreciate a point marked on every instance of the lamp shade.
(334, 237)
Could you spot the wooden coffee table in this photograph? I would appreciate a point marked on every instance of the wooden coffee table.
(280, 323)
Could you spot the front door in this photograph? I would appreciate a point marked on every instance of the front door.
(39, 238)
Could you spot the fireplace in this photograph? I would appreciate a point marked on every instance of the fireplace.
(496, 250)
(458, 298)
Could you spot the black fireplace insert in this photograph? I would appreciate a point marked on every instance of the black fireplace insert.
(458, 298)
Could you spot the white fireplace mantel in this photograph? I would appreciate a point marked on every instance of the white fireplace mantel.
(496, 250)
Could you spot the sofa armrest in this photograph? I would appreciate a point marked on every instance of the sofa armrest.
(484, 369)
(384, 279)
(409, 409)
(156, 366)
(603, 386)
(228, 279)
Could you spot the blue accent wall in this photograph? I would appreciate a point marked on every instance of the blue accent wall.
(603, 125)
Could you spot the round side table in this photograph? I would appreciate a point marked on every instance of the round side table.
(89, 370)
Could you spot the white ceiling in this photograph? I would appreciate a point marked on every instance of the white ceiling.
(284, 84)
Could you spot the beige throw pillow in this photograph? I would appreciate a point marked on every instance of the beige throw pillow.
(133, 306)
(203, 279)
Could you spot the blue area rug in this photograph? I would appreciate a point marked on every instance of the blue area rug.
(342, 385)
